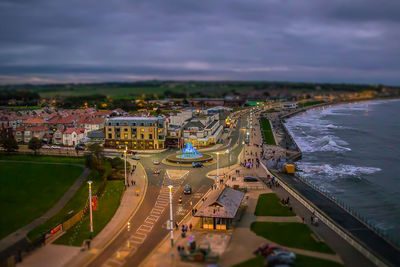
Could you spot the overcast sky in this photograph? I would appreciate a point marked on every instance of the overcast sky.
(113, 40)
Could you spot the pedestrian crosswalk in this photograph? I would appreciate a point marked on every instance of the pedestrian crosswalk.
(139, 237)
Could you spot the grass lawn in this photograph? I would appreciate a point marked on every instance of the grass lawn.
(108, 204)
(311, 103)
(42, 158)
(75, 204)
(301, 261)
(266, 131)
(270, 205)
(27, 191)
(290, 234)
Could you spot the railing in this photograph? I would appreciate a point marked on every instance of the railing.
(363, 219)
(327, 221)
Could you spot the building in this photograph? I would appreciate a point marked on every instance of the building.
(73, 136)
(288, 105)
(220, 208)
(96, 137)
(34, 131)
(202, 131)
(139, 133)
(91, 124)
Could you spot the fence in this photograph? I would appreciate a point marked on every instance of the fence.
(327, 221)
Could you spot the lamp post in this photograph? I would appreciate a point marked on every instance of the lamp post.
(170, 215)
(126, 148)
(90, 209)
(229, 159)
(217, 170)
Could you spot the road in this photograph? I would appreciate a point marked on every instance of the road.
(147, 228)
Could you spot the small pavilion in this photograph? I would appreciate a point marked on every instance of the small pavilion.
(219, 209)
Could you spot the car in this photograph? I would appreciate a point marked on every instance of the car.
(156, 162)
(280, 257)
(197, 164)
(46, 147)
(157, 171)
(55, 147)
(135, 157)
(79, 147)
(250, 179)
(188, 190)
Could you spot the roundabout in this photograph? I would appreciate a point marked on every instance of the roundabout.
(188, 156)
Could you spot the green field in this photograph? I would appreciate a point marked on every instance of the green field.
(73, 206)
(108, 204)
(266, 131)
(310, 103)
(28, 190)
(290, 234)
(301, 261)
(42, 158)
(270, 205)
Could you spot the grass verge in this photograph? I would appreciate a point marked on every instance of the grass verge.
(42, 158)
(311, 103)
(301, 261)
(27, 191)
(291, 234)
(73, 206)
(108, 204)
(266, 131)
(270, 205)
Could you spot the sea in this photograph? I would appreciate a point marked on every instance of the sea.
(352, 151)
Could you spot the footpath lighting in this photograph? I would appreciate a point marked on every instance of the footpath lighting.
(90, 209)
(170, 215)
(229, 158)
(217, 170)
(125, 151)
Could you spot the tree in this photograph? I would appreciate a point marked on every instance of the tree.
(96, 150)
(9, 144)
(35, 144)
(7, 140)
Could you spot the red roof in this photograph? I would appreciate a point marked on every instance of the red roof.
(37, 129)
(76, 130)
(35, 120)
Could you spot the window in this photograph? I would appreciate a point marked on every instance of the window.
(125, 129)
(141, 136)
(150, 136)
(117, 123)
(109, 124)
(142, 124)
(109, 136)
(134, 124)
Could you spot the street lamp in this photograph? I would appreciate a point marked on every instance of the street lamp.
(170, 215)
(90, 209)
(229, 158)
(217, 170)
(126, 148)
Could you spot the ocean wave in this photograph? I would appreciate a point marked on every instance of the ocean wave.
(334, 172)
(308, 143)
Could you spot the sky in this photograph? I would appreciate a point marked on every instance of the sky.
(59, 41)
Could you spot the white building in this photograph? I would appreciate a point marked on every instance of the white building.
(73, 136)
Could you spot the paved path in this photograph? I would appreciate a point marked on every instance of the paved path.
(21, 233)
(129, 205)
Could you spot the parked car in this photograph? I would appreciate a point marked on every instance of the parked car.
(55, 147)
(135, 157)
(46, 147)
(250, 179)
(157, 171)
(197, 164)
(188, 190)
(279, 258)
(156, 162)
(79, 147)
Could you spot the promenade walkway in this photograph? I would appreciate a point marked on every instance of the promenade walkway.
(21, 233)
(56, 255)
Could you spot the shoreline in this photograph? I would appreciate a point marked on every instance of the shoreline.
(343, 206)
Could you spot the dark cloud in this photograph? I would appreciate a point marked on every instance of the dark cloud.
(88, 40)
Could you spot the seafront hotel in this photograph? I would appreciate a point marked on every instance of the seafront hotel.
(139, 133)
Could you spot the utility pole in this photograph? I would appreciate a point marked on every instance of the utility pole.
(90, 209)
(170, 215)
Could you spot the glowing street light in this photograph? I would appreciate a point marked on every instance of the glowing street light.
(217, 170)
(170, 215)
(90, 209)
(125, 151)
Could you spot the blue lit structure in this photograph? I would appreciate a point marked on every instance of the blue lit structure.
(189, 152)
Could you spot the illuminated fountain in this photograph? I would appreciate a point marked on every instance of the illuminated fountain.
(188, 155)
(189, 152)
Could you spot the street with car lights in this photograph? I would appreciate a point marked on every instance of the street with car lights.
(148, 226)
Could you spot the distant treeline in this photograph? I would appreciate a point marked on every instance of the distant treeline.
(238, 85)
(16, 97)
